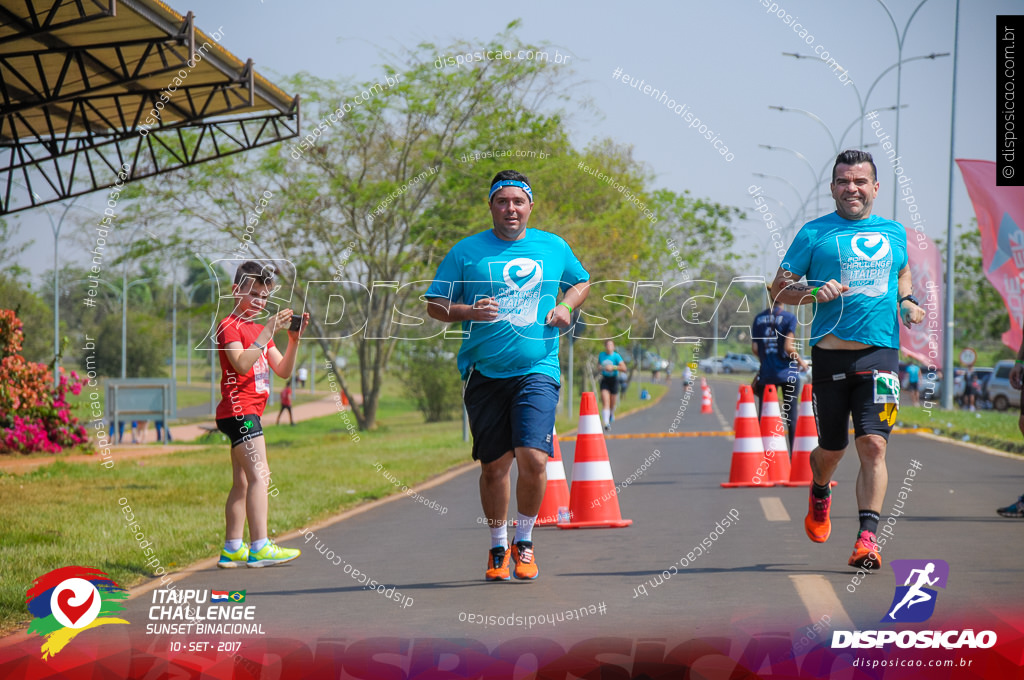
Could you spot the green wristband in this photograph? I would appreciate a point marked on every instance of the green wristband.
(1019, 361)
(815, 291)
(566, 305)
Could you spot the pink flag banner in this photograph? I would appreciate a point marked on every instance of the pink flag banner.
(1000, 212)
(923, 342)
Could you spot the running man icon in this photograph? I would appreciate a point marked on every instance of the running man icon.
(916, 576)
(915, 595)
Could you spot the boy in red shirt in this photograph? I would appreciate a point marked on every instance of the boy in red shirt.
(286, 403)
(247, 354)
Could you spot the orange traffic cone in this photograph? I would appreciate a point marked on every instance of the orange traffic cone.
(804, 440)
(555, 506)
(705, 396)
(747, 467)
(773, 434)
(593, 500)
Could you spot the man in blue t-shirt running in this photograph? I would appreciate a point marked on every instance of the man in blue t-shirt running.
(610, 363)
(773, 340)
(502, 285)
(858, 276)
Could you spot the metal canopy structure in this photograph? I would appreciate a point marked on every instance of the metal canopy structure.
(90, 86)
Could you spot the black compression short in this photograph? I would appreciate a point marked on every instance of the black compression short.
(844, 385)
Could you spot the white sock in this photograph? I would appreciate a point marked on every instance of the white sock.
(499, 536)
(258, 544)
(605, 413)
(524, 528)
(233, 544)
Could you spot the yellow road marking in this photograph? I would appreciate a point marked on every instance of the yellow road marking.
(715, 433)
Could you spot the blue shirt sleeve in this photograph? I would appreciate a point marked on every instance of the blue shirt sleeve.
(798, 257)
(448, 282)
(573, 271)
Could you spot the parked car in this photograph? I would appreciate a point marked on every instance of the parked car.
(998, 389)
(740, 363)
(710, 365)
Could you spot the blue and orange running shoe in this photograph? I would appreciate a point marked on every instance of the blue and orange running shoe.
(497, 564)
(817, 523)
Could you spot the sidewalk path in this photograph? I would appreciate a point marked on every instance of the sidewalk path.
(17, 464)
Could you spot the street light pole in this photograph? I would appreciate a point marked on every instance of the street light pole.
(124, 306)
(174, 329)
(900, 38)
(213, 337)
(947, 339)
(124, 320)
(55, 227)
(862, 102)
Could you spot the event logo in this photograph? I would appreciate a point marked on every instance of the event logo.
(914, 601)
(870, 246)
(519, 297)
(69, 600)
(865, 261)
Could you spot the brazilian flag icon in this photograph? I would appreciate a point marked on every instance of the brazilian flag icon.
(237, 596)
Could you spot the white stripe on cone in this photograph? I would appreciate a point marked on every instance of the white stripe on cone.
(805, 443)
(555, 470)
(592, 471)
(748, 445)
(590, 424)
(747, 410)
(806, 409)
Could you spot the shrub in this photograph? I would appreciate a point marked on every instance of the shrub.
(34, 414)
(431, 379)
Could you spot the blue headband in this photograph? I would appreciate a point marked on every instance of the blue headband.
(511, 183)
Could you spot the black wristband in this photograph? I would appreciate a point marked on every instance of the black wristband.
(911, 298)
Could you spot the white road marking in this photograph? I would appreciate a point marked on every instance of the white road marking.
(818, 597)
(774, 510)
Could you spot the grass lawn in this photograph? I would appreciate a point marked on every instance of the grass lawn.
(989, 428)
(64, 513)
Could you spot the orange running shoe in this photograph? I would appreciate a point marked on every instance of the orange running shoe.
(497, 564)
(865, 552)
(817, 524)
(526, 565)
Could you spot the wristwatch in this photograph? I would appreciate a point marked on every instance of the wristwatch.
(911, 298)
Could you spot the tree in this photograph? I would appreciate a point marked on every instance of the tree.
(369, 181)
(38, 318)
(148, 346)
(981, 316)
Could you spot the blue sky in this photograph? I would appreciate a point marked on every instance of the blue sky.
(722, 60)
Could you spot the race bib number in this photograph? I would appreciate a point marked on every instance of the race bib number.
(887, 387)
(262, 371)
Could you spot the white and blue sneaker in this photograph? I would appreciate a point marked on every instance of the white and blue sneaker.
(230, 560)
(272, 554)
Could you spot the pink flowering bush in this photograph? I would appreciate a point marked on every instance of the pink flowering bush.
(34, 414)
